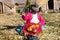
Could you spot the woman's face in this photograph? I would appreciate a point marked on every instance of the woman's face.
(34, 12)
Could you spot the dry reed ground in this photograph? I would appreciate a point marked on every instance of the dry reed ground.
(52, 25)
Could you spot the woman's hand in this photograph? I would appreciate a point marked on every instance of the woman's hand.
(23, 13)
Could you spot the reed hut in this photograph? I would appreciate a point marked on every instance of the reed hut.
(46, 5)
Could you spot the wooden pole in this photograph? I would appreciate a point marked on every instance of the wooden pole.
(1, 7)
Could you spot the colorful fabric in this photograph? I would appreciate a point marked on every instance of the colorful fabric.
(28, 18)
(43, 27)
(33, 28)
(18, 29)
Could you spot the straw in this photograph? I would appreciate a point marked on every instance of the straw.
(41, 2)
